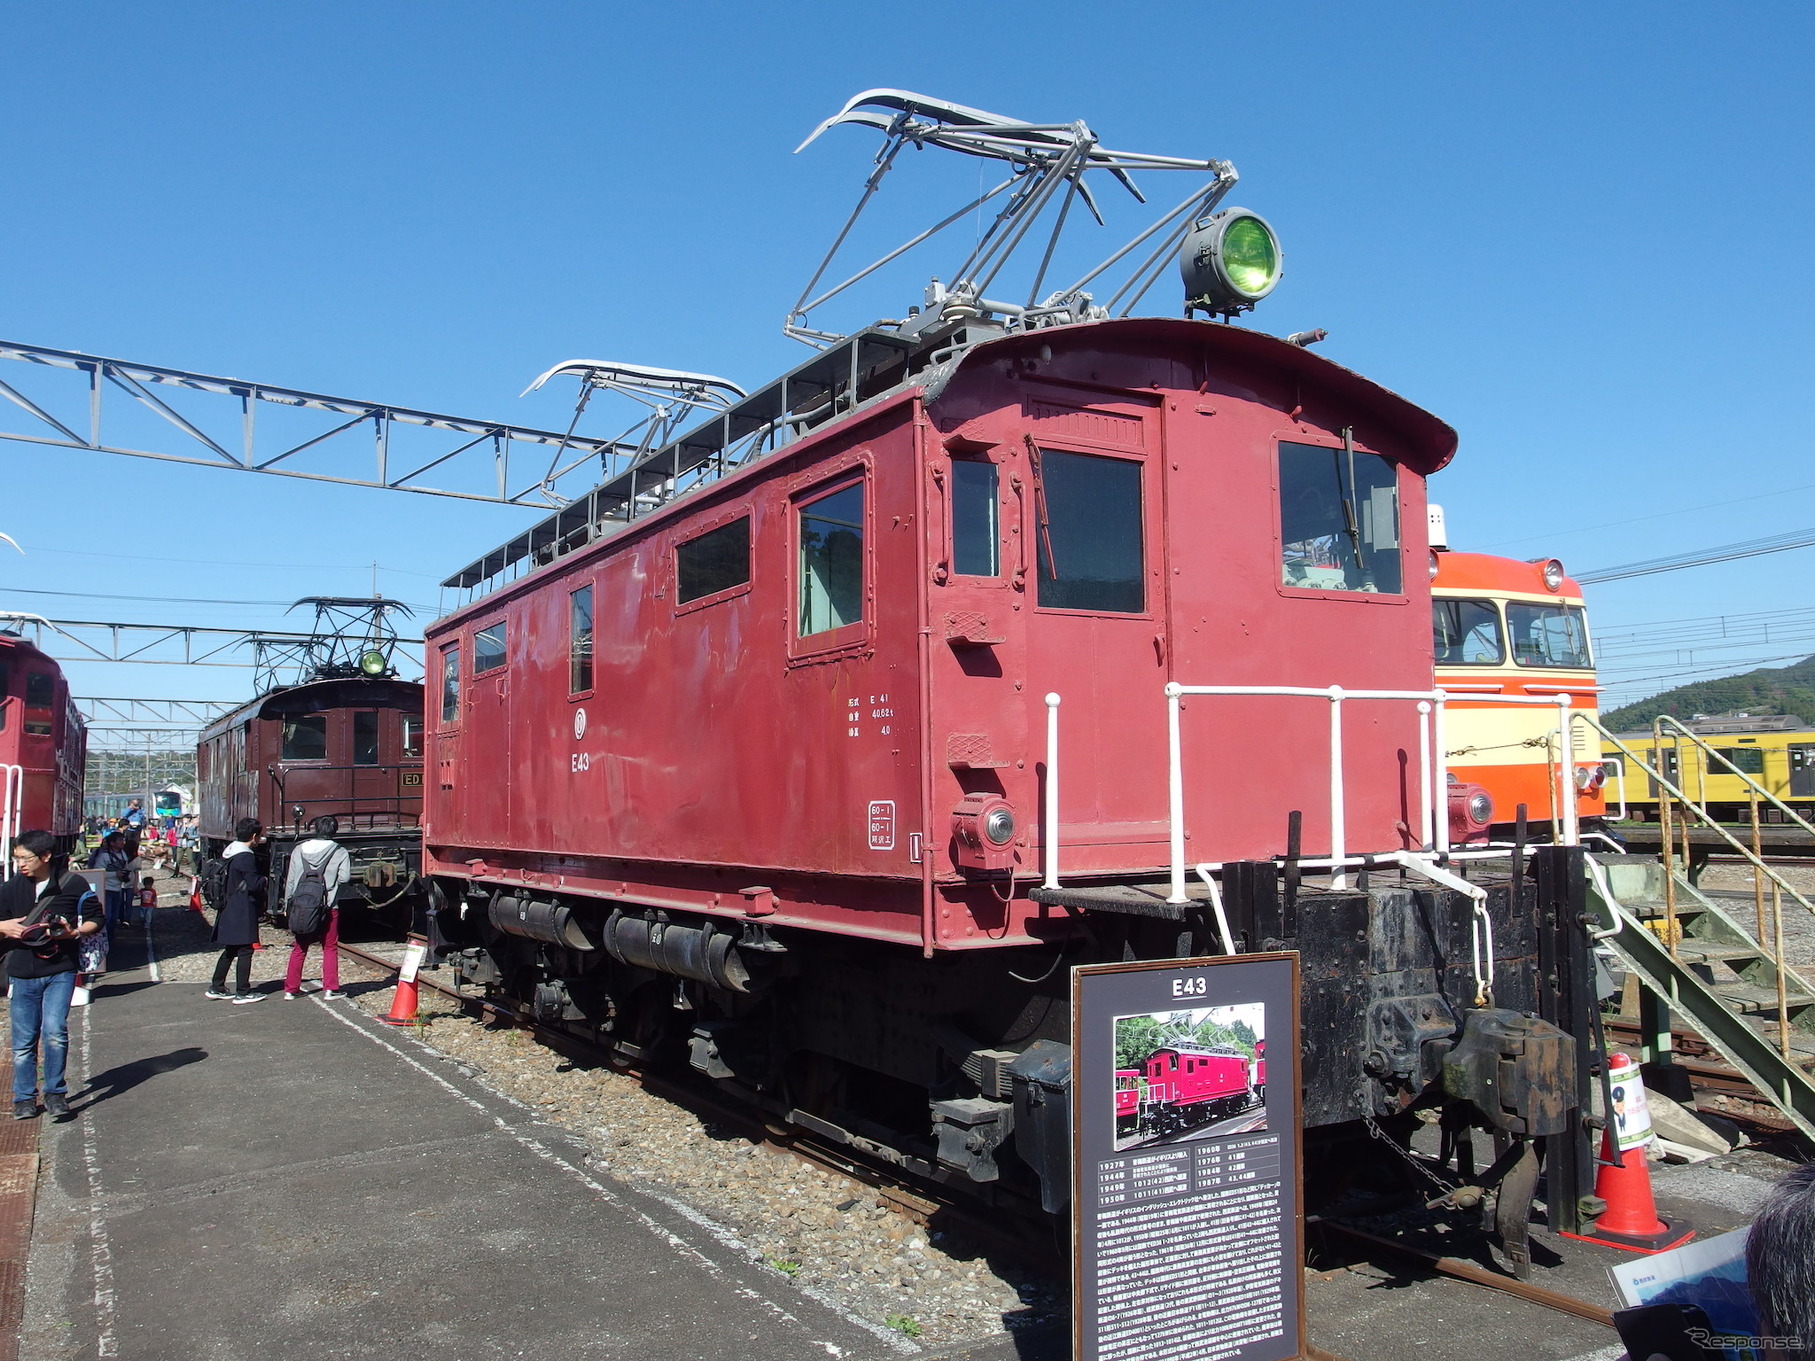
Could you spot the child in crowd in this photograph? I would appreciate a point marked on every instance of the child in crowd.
(148, 901)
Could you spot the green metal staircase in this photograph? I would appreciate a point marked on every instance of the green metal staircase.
(1698, 958)
(1721, 980)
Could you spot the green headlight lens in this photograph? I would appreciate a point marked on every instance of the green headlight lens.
(372, 663)
(1250, 256)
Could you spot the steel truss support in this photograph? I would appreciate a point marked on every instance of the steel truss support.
(87, 640)
(82, 419)
(107, 711)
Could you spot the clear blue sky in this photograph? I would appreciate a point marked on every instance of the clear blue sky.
(1581, 234)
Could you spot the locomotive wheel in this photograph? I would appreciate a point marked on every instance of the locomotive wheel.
(650, 1026)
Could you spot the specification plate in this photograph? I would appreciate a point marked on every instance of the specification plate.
(1186, 1212)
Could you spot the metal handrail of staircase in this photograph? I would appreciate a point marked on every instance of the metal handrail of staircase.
(1700, 812)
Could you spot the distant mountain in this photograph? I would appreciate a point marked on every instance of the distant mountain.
(1768, 690)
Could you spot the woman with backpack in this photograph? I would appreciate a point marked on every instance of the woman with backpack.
(318, 868)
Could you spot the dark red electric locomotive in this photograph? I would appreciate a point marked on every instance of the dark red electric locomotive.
(1187, 1085)
(748, 757)
(348, 748)
(43, 745)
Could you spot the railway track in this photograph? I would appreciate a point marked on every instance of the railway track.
(921, 1201)
(927, 1203)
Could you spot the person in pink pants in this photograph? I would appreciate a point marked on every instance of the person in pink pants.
(323, 857)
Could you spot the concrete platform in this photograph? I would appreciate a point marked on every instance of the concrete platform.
(293, 1179)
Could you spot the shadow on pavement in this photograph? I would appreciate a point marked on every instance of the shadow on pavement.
(126, 1076)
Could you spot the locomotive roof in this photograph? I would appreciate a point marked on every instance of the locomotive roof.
(312, 696)
(1488, 572)
(1222, 1051)
(875, 366)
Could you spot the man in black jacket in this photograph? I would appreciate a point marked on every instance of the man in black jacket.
(41, 965)
(236, 924)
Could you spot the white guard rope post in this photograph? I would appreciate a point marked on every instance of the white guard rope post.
(1566, 768)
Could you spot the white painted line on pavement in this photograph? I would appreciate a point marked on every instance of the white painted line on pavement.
(724, 1235)
(100, 1249)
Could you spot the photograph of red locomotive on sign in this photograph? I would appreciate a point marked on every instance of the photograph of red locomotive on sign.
(1190, 1073)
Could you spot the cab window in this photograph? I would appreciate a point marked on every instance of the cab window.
(1087, 526)
(1339, 520)
(488, 649)
(1548, 635)
(305, 738)
(412, 737)
(40, 690)
(976, 520)
(831, 561)
(1466, 633)
(579, 641)
(450, 685)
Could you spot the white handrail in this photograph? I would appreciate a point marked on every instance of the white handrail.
(12, 801)
(1432, 757)
(1051, 839)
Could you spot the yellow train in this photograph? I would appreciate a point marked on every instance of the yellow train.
(1775, 751)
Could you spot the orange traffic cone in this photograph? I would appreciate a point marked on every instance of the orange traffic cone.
(195, 895)
(403, 1005)
(1631, 1220)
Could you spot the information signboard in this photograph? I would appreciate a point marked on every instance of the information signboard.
(1186, 1213)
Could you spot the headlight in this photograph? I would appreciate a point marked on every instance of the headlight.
(1480, 808)
(1553, 575)
(372, 663)
(1230, 261)
(999, 826)
(1433, 564)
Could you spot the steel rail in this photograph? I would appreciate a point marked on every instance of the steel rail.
(913, 1198)
(921, 1201)
(1474, 1274)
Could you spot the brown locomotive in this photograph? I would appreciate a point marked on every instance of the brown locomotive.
(347, 748)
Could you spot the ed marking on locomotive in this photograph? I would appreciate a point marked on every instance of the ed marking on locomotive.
(882, 825)
(579, 724)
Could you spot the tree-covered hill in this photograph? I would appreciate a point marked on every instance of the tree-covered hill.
(1768, 690)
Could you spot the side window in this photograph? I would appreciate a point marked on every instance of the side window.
(40, 690)
(716, 561)
(831, 561)
(488, 649)
(1466, 633)
(1087, 526)
(450, 685)
(365, 737)
(305, 738)
(1746, 760)
(976, 520)
(412, 737)
(579, 640)
(1339, 520)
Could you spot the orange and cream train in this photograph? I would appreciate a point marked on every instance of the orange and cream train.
(1500, 626)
